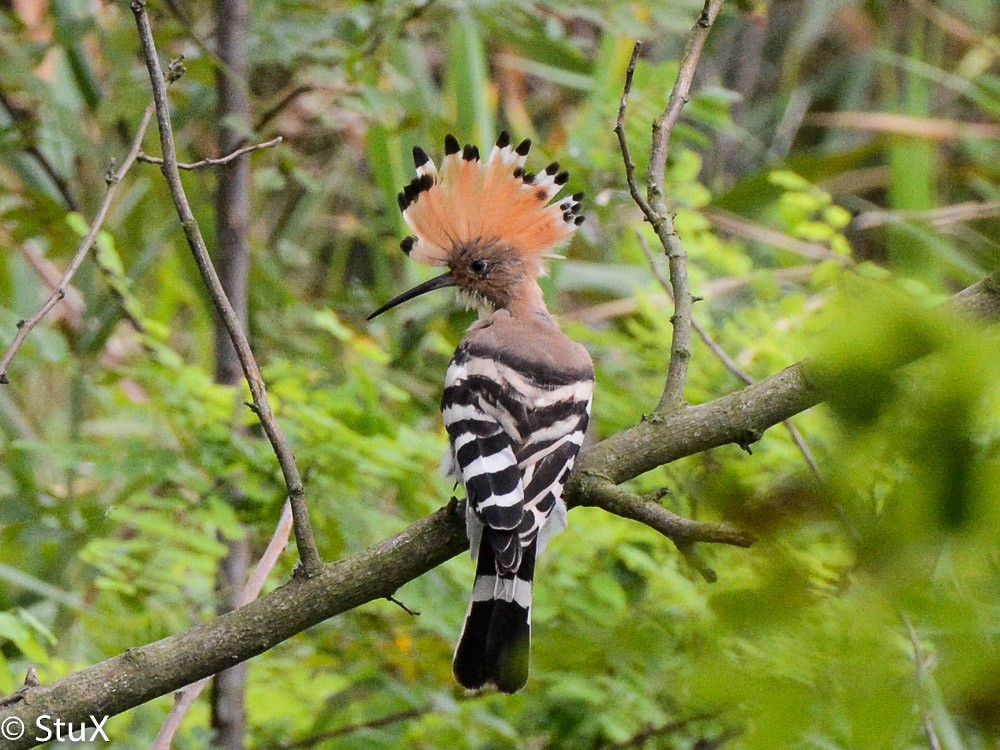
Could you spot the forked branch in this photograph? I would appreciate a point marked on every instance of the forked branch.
(654, 206)
(114, 181)
(308, 554)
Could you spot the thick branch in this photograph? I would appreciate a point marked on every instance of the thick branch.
(144, 673)
(114, 181)
(308, 555)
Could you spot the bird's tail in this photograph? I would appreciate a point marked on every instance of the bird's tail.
(496, 640)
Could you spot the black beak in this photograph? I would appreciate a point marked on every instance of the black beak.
(438, 282)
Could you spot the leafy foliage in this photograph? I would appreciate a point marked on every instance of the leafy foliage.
(869, 609)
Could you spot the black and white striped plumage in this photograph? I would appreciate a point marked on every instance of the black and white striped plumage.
(517, 394)
(516, 415)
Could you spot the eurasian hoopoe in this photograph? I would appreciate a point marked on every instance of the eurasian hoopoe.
(517, 393)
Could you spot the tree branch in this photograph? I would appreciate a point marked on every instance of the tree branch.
(216, 162)
(633, 186)
(654, 206)
(306, 543)
(141, 674)
(728, 362)
(663, 222)
(114, 181)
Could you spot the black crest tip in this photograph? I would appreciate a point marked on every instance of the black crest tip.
(579, 220)
(403, 201)
(552, 168)
(577, 196)
(518, 172)
(523, 147)
(470, 152)
(504, 140)
(419, 157)
(407, 244)
(562, 178)
(451, 145)
(529, 177)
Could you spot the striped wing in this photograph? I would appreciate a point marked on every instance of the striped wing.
(510, 421)
(483, 454)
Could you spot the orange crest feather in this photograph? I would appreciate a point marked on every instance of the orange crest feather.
(470, 201)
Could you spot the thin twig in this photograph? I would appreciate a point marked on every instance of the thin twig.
(748, 230)
(210, 162)
(923, 665)
(642, 737)
(283, 102)
(114, 181)
(308, 554)
(943, 216)
(633, 186)
(411, 612)
(186, 697)
(729, 363)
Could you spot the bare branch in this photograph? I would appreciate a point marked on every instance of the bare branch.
(114, 181)
(663, 126)
(19, 116)
(654, 205)
(729, 363)
(748, 230)
(411, 612)
(633, 187)
(308, 554)
(597, 491)
(210, 162)
(680, 345)
(384, 721)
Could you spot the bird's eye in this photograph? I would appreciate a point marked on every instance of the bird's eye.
(478, 266)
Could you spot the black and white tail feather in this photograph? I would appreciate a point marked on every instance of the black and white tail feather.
(517, 394)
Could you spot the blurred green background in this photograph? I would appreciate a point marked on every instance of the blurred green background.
(835, 177)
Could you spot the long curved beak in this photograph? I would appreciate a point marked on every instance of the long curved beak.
(438, 282)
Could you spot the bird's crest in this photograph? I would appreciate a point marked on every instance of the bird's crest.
(469, 201)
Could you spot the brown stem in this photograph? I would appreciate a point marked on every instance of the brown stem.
(663, 222)
(215, 162)
(114, 181)
(654, 206)
(308, 554)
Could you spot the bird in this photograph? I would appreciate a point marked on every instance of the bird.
(518, 391)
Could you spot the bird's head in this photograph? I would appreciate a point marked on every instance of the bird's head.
(489, 223)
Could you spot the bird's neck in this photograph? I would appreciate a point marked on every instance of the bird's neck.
(526, 300)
